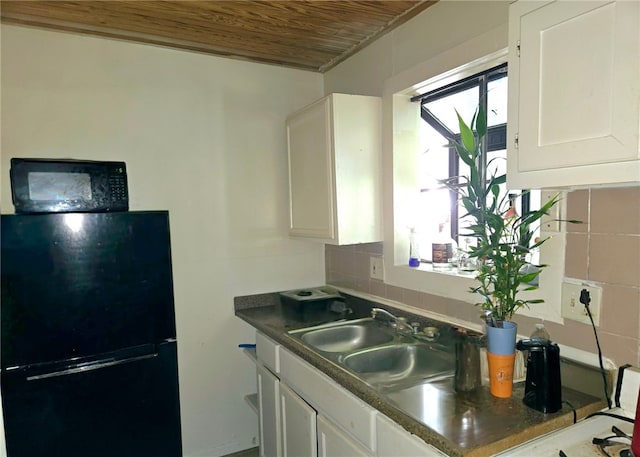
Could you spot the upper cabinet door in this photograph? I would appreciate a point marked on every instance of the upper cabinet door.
(311, 177)
(574, 93)
(335, 170)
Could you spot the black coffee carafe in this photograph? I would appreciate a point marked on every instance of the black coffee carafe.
(543, 387)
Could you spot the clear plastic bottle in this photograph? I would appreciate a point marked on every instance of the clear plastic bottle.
(466, 263)
(414, 254)
(540, 333)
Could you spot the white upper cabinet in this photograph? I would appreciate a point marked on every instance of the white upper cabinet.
(574, 93)
(335, 172)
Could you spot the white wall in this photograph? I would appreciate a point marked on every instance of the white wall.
(440, 27)
(202, 137)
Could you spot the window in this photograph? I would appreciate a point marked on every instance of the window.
(403, 183)
(437, 213)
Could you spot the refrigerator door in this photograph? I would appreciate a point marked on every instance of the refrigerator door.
(81, 284)
(124, 407)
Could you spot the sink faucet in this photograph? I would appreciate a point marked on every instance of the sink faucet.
(398, 321)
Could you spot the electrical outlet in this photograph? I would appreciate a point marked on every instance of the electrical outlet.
(573, 309)
(376, 269)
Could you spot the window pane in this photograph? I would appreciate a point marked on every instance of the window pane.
(465, 102)
(497, 165)
(497, 101)
(434, 160)
(434, 206)
(437, 209)
(434, 210)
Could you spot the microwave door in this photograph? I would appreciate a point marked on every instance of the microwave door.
(58, 185)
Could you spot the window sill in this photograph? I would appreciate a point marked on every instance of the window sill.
(426, 266)
(455, 285)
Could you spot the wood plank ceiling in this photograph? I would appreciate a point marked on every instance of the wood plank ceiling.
(312, 35)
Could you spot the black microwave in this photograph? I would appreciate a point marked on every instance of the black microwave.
(65, 185)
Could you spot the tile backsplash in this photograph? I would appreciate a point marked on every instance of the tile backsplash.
(604, 249)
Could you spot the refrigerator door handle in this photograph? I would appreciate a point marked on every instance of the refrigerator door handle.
(89, 367)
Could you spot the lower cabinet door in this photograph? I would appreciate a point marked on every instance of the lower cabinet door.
(269, 412)
(298, 421)
(333, 442)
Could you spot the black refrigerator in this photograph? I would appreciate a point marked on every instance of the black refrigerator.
(88, 342)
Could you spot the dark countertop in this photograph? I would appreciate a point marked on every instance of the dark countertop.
(469, 424)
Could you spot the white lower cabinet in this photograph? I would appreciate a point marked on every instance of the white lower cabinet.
(333, 442)
(298, 421)
(304, 413)
(287, 423)
(330, 399)
(269, 412)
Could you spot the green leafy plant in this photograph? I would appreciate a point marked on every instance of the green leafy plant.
(502, 244)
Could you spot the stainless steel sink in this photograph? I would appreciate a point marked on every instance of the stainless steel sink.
(401, 366)
(346, 337)
(399, 363)
(378, 354)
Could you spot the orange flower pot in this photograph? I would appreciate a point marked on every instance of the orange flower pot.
(501, 374)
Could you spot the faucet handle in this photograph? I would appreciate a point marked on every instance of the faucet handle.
(431, 333)
(400, 322)
(415, 326)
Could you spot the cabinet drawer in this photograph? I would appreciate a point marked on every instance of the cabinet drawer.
(268, 352)
(346, 410)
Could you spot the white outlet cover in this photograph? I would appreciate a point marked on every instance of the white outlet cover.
(573, 309)
(376, 268)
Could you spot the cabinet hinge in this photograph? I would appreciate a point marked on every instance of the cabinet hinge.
(518, 48)
(515, 141)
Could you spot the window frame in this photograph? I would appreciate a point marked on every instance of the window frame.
(496, 137)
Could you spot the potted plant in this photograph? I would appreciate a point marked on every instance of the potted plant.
(502, 244)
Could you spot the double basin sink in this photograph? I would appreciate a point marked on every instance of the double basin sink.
(378, 354)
